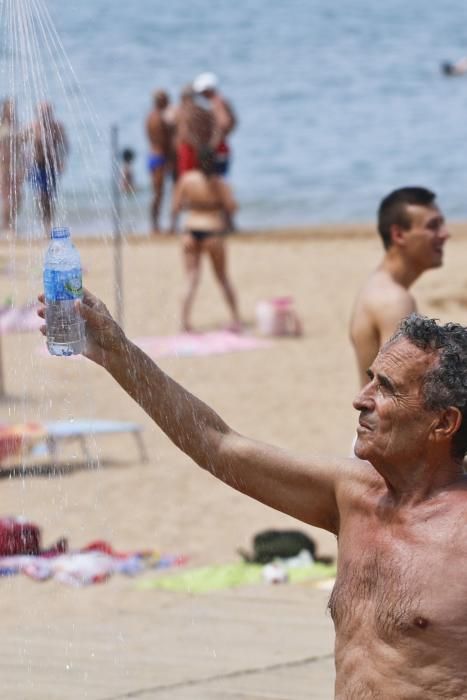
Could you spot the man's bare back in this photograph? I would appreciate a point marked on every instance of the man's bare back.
(159, 134)
(379, 307)
(195, 125)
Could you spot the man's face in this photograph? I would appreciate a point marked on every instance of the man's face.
(394, 425)
(424, 240)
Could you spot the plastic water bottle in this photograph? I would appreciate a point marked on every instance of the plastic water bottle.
(62, 287)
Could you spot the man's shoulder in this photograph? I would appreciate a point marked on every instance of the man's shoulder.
(382, 296)
(359, 483)
(357, 474)
(382, 284)
(154, 117)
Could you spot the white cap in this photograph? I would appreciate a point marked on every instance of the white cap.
(205, 81)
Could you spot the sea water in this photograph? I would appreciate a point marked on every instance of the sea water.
(338, 103)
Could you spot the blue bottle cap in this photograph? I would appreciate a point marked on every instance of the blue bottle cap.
(60, 233)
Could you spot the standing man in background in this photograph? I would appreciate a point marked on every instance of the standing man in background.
(194, 130)
(413, 232)
(49, 153)
(159, 133)
(206, 86)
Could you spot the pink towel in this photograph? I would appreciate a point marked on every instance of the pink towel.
(190, 344)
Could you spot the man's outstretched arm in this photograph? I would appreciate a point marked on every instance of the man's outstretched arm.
(299, 486)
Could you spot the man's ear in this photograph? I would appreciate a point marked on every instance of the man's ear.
(448, 423)
(397, 234)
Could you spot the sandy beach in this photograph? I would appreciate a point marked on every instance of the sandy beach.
(113, 640)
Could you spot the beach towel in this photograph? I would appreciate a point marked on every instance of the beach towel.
(95, 563)
(224, 576)
(194, 344)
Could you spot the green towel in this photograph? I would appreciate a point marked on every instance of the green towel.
(221, 576)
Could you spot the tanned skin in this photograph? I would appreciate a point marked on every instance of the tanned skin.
(398, 509)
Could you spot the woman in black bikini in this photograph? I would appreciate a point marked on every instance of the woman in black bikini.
(209, 205)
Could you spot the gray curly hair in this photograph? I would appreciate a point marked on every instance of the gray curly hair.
(446, 383)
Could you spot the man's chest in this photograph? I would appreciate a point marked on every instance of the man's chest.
(400, 581)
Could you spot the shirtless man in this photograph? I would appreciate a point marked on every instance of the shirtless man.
(49, 152)
(206, 85)
(159, 135)
(398, 509)
(413, 232)
(195, 125)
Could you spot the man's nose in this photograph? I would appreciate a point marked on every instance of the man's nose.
(444, 233)
(363, 400)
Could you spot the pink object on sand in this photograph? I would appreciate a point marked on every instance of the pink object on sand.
(19, 319)
(191, 344)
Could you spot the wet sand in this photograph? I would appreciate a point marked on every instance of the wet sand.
(112, 640)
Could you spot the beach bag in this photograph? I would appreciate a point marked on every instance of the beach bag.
(17, 536)
(269, 545)
(278, 317)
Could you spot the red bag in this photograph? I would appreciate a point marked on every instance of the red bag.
(17, 536)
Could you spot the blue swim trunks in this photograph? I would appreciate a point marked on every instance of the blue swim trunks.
(155, 162)
(43, 179)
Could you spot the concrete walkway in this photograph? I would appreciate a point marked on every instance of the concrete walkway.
(112, 642)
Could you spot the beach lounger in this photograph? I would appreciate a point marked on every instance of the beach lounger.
(59, 432)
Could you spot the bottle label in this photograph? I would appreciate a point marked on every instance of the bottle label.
(63, 285)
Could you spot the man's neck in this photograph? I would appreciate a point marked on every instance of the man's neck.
(420, 481)
(401, 271)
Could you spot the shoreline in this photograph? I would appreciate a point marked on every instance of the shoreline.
(321, 232)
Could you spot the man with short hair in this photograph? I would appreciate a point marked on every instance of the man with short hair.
(159, 135)
(413, 232)
(398, 509)
(207, 86)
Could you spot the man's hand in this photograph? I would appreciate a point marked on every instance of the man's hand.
(103, 335)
